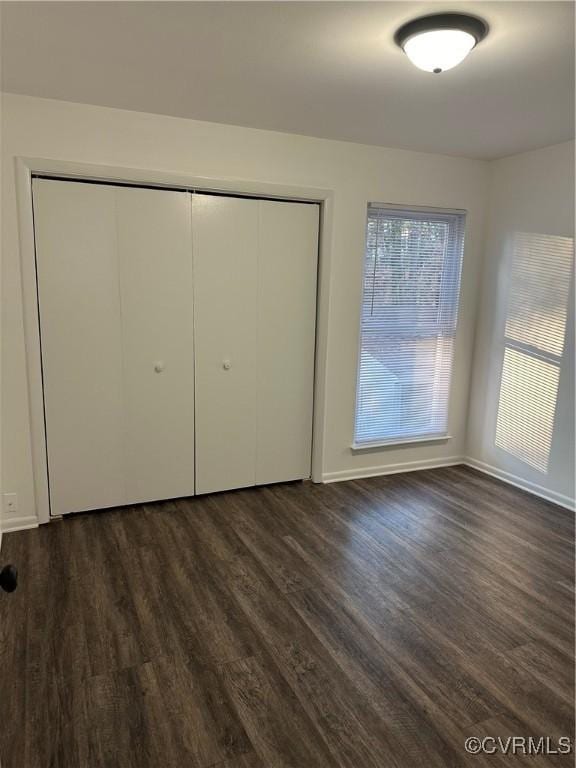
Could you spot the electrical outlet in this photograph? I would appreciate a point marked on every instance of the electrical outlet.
(10, 503)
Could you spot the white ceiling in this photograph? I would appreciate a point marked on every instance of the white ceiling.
(327, 69)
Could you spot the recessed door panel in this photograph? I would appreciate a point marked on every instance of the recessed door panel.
(155, 258)
(79, 305)
(287, 268)
(225, 247)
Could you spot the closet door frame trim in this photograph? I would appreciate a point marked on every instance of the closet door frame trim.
(28, 167)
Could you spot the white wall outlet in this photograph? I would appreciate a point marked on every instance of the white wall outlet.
(10, 503)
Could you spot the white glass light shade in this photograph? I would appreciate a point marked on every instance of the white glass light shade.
(439, 49)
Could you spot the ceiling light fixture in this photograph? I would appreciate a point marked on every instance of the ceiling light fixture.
(441, 41)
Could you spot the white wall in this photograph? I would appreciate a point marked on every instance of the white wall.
(531, 192)
(355, 173)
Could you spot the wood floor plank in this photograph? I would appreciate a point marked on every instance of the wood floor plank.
(370, 623)
(273, 717)
(339, 711)
(384, 659)
(426, 510)
(249, 760)
(200, 713)
(505, 727)
(549, 667)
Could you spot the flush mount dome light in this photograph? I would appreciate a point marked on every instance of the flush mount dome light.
(439, 42)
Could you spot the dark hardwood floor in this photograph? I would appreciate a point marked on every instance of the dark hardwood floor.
(369, 624)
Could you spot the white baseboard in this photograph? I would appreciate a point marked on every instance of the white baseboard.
(24, 523)
(488, 469)
(519, 482)
(10, 524)
(389, 469)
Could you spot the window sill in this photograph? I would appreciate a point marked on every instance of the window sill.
(400, 441)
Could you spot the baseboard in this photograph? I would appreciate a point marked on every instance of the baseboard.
(10, 524)
(24, 523)
(389, 469)
(519, 482)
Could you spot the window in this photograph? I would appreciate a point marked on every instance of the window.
(409, 311)
(533, 346)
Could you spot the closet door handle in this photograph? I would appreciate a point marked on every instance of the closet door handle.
(159, 366)
(226, 364)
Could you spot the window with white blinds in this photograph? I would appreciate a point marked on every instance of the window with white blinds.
(412, 271)
(533, 346)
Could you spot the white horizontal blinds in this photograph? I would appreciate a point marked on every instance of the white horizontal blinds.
(409, 312)
(538, 301)
(526, 408)
(533, 346)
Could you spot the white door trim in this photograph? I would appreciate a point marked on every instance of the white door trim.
(26, 167)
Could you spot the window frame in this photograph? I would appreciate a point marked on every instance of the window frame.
(434, 437)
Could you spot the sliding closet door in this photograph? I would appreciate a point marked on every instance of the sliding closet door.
(225, 247)
(155, 262)
(79, 304)
(287, 269)
(255, 267)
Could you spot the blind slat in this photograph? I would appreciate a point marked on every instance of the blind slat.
(412, 271)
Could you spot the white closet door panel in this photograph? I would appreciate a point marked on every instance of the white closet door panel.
(155, 257)
(286, 339)
(81, 346)
(225, 247)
